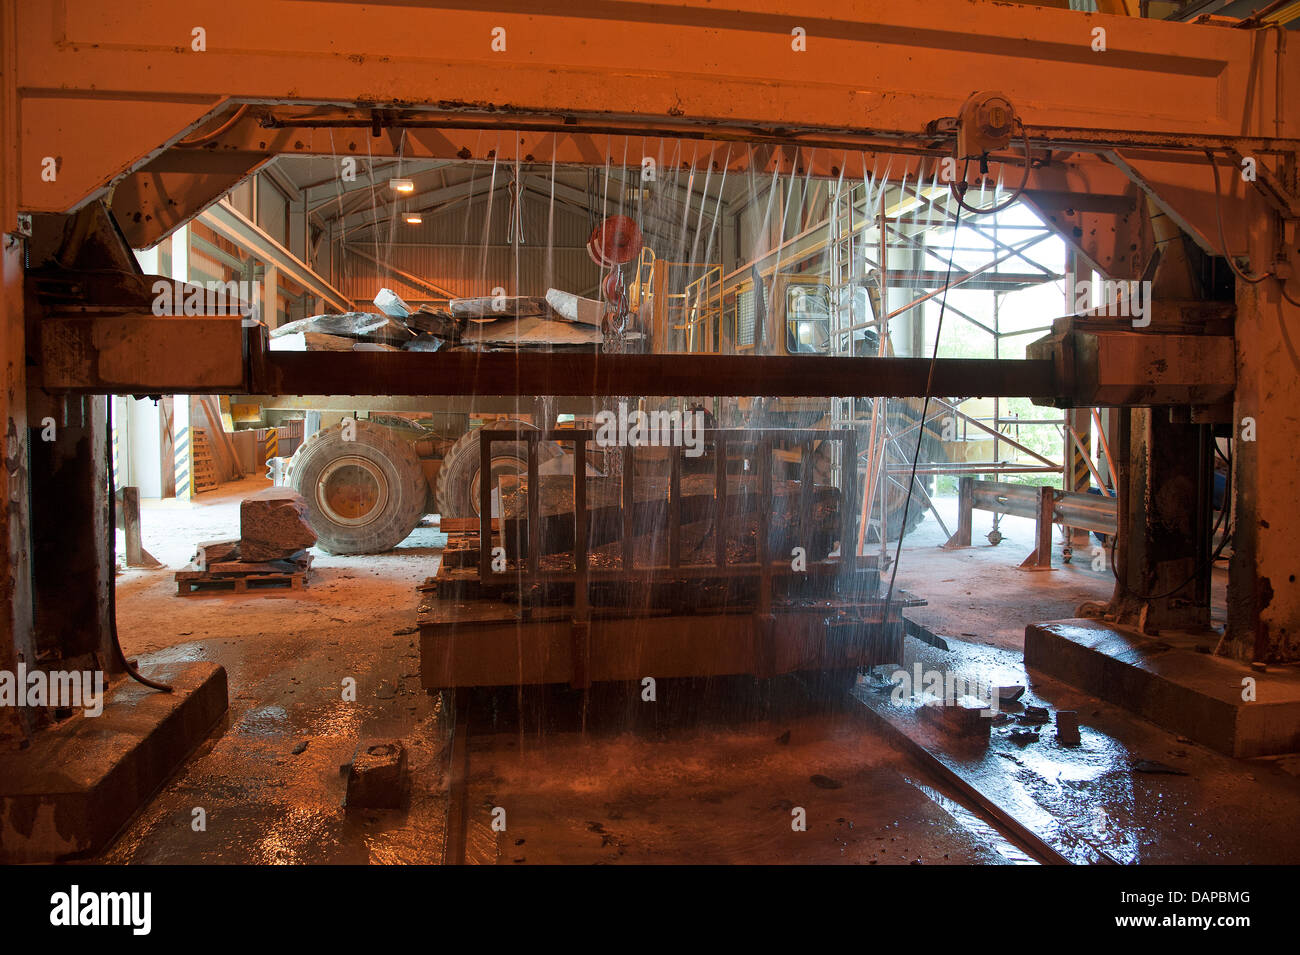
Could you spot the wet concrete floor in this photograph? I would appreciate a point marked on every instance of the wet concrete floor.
(720, 771)
(1133, 791)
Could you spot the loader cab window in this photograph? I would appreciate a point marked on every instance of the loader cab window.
(807, 319)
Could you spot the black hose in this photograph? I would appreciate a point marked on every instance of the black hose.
(958, 193)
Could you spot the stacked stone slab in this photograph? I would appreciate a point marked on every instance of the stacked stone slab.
(559, 321)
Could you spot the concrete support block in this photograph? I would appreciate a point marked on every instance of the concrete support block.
(1219, 702)
(79, 782)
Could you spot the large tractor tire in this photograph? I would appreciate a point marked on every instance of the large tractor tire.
(457, 492)
(365, 495)
(900, 415)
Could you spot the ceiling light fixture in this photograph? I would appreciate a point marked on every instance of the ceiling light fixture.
(401, 185)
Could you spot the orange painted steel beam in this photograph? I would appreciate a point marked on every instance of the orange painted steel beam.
(101, 89)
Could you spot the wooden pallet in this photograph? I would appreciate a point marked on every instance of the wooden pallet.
(203, 464)
(191, 581)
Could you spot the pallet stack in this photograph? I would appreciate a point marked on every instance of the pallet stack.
(206, 574)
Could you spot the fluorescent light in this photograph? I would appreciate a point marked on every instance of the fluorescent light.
(401, 185)
(413, 218)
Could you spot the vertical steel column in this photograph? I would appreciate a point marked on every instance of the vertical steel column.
(485, 504)
(764, 523)
(534, 506)
(1203, 529)
(675, 508)
(629, 503)
(848, 513)
(581, 628)
(1161, 560)
(720, 498)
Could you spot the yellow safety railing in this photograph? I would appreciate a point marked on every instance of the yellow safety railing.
(698, 309)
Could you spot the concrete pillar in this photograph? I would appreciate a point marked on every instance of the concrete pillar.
(141, 444)
(180, 240)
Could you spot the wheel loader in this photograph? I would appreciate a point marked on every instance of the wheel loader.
(369, 481)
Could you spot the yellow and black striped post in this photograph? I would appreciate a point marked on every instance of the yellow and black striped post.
(271, 445)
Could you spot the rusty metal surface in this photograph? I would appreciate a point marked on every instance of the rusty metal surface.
(141, 354)
(1117, 367)
(1137, 370)
(569, 374)
(492, 644)
(176, 186)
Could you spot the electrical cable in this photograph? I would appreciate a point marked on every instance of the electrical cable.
(118, 653)
(925, 405)
(208, 137)
(1237, 271)
(1223, 241)
(1024, 181)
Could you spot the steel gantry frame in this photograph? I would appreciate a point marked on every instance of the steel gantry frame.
(159, 109)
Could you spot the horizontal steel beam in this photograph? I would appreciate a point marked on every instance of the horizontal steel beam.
(128, 352)
(443, 404)
(590, 374)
